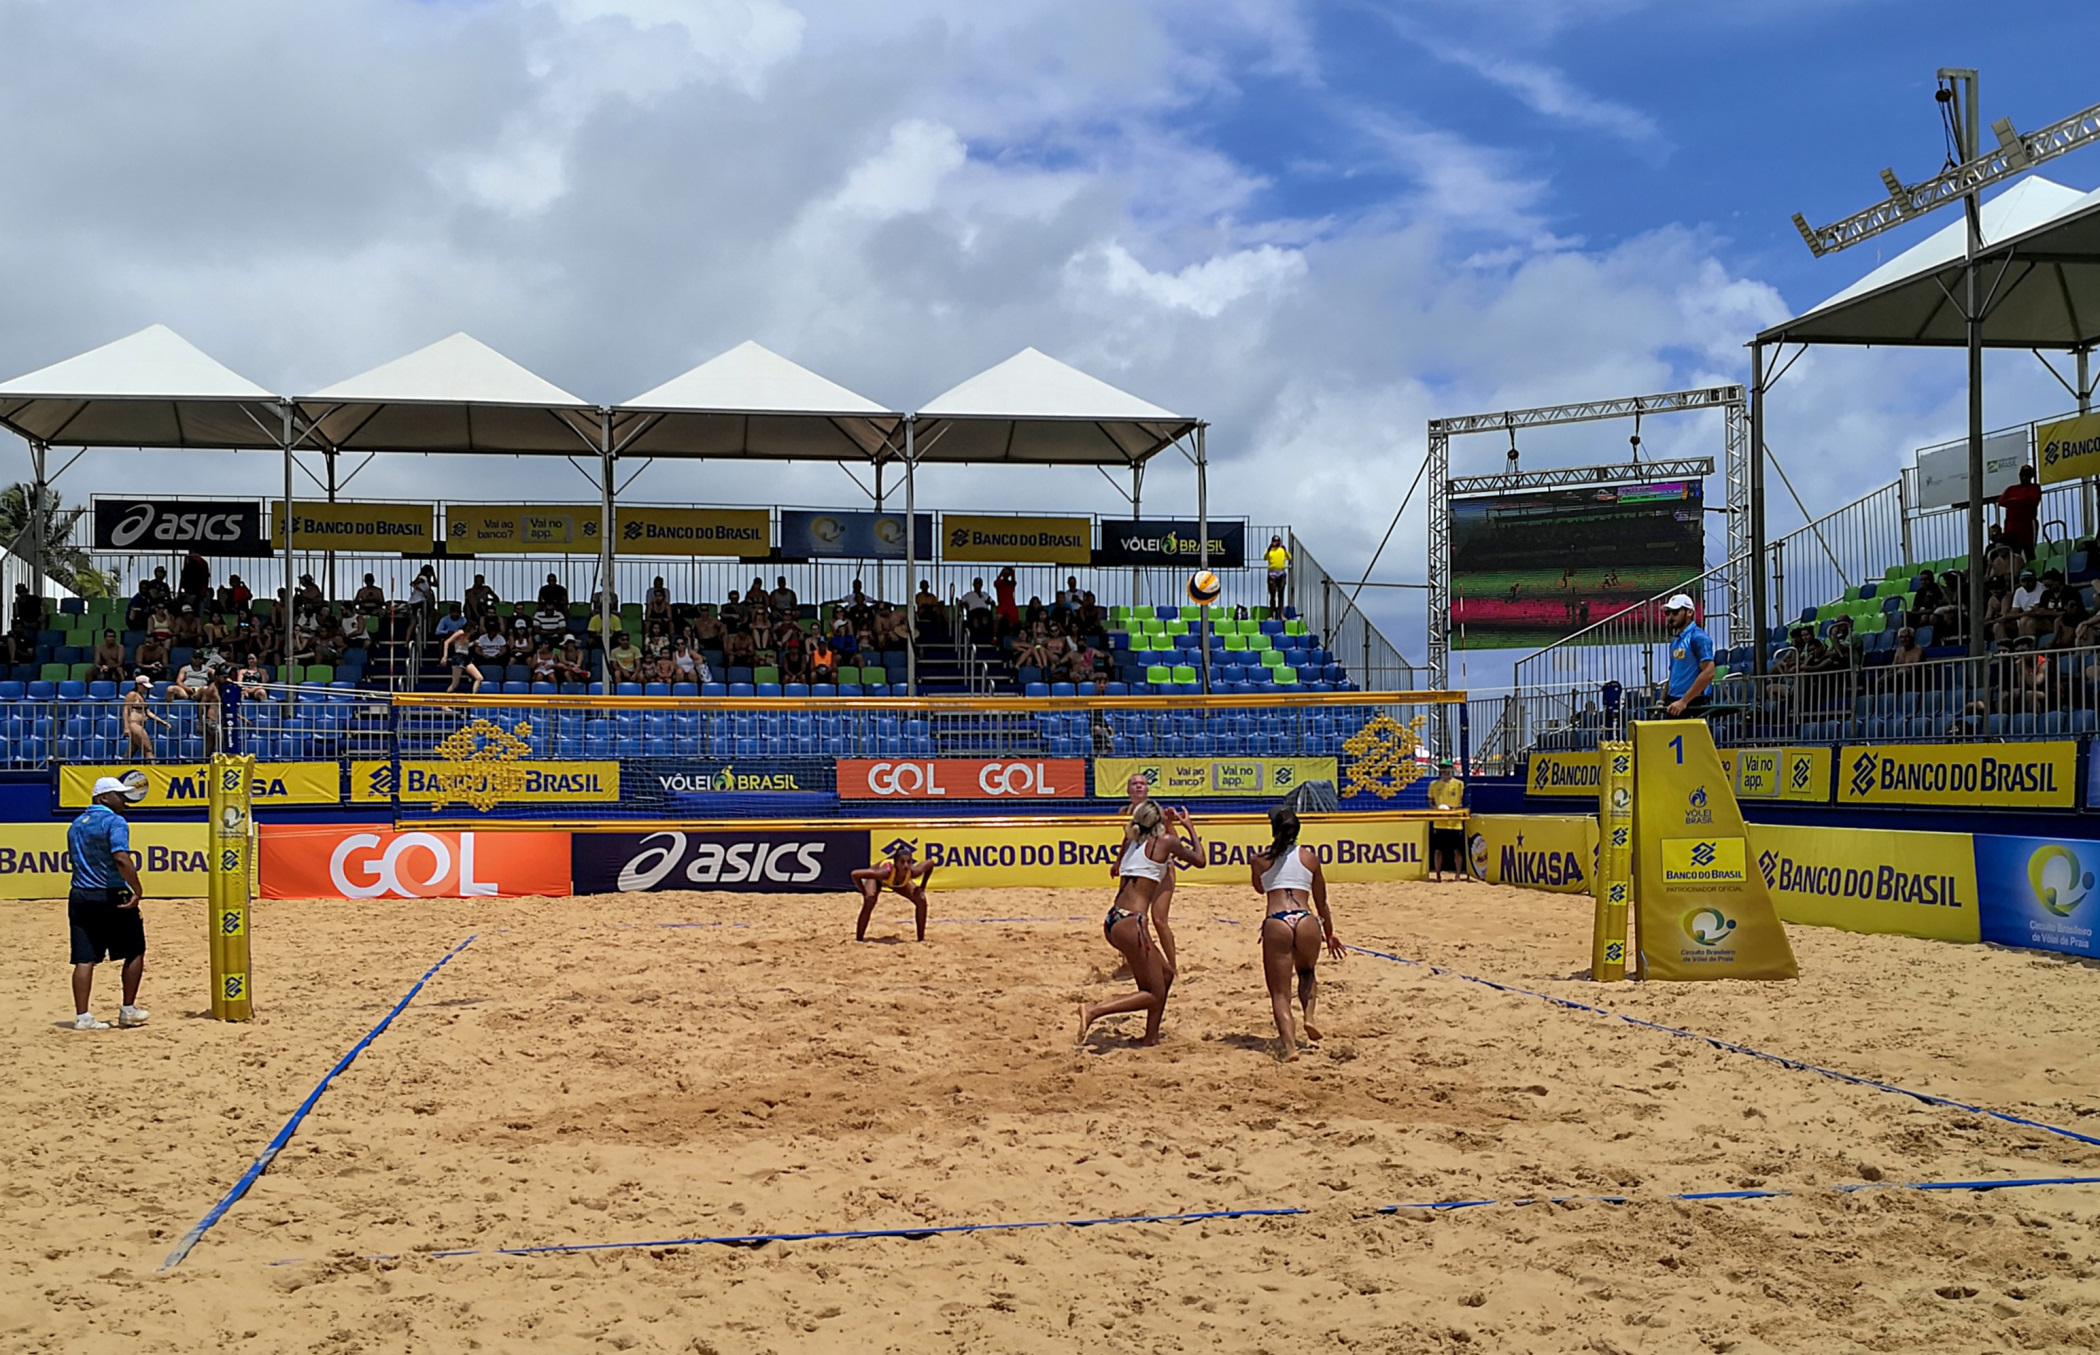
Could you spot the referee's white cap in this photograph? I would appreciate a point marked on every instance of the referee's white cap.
(109, 785)
(1682, 602)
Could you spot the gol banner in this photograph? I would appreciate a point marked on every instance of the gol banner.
(1877, 880)
(333, 861)
(1971, 776)
(1042, 541)
(1536, 851)
(34, 862)
(2070, 449)
(179, 787)
(521, 528)
(410, 528)
(1704, 912)
(1077, 854)
(746, 533)
(1211, 778)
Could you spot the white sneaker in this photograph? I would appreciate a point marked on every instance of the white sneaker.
(132, 1016)
(87, 1021)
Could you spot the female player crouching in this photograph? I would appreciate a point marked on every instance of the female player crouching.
(899, 875)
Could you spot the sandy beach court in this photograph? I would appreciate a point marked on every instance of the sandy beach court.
(665, 1066)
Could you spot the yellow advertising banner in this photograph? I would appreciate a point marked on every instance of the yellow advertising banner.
(2069, 449)
(180, 787)
(1536, 851)
(746, 533)
(1801, 774)
(34, 863)
(1074, 855)
(1704, 914)
(503, 783)
(521, 528)
(410, 528)
(1042, 541)
(1573, 774)
(1876, 880)
(1756, 774)
(1975, 776)
(1207, 778)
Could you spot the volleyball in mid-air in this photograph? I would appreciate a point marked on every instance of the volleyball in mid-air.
(1204, 587)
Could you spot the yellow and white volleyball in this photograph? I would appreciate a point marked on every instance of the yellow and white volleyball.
(1204, 587)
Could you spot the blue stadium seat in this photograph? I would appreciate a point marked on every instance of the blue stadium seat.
(656, 689)
(741, 688)
(685, 689)
(516, 688)
(714, 689)
(543, 689)
(627, 689)
(741, 675)
(71, 691)
(794, 689)
(849, 689)
(767, 689)
(824, 689)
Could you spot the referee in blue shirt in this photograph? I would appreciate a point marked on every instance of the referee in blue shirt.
(1691, 661)
(103, 907)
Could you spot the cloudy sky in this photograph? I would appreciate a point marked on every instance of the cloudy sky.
(1315, 226)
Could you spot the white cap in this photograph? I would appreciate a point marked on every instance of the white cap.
(1681, 602)
(109, 785)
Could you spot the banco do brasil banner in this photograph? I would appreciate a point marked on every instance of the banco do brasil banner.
(744, 533)
(508, 783)
(1162, 541)
(207, 526)
(852, 536)
(1078, 855)
(1890, 882)
(410, 528)
(1782, 774)
(1039, 541)
(1973, 776)
(34, 862)
(2069, 449)
(1563, 774)
(1172, 778)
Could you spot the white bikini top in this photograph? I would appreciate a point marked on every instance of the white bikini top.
(1290, 872)
(1137, 861)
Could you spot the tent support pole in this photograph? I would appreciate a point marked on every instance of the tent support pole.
(38, 491)
(605, 549)
(290, 609)
(1137, 511)
(1203, 549)
(330, 456)
(1759, 616)
(911, 561)
(2091, 495)
(1972, 209)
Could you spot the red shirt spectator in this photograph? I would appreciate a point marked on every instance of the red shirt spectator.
(2021, 504)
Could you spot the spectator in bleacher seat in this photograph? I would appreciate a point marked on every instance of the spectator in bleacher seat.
(571, 666)
(481, 599)
(151, 661)
(330, 643)
(1093, 623)
(932, 616)
(109, 658)
(706, 629)
(889, 627)
(303, 631)
(1057, 652)
(606, 598)
(688, 666)
(787, 630)
(2070, 614)
(544, 668)
(369, 599)
(2021, 505)
(193, 678)
(151, 592)
(784, 601)
(1035, 613)
(823, 662)
(553, 594)
(597, 621)
(1950, 617)
(308, 600)
(1006, 585)
(2000, 560)
(234, 595)
(491, 647)
(738, 650)
(1927, 601)
(522, 640)
(2087, 634)
(454, 619)
(623, 661)
(188, 631)
(845, 645)
(656, 603)
(2024, 679)
(735, 615)
(216, 630)
(550, 623)
(2011, 618)
(250, 678)
(160, 623)
(458, 651)
(1071, 596)
(211, 711)
(858, 607)
(194, 582)
(794, 658)
(137, 737)
(2047, 614)
(974, 603)
(1083, 667)
(1032, 649)
(656, 636)
(1907, 650)
(1996, 605)
(423, 591)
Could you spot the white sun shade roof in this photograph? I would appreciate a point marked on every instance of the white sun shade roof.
(2040, 274)
(1034, 409)
(750, 402)
(457, 395)
(149, 389)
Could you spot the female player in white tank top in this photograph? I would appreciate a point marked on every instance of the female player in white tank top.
(1150, 845)
(1289, 876)
(1163, 896)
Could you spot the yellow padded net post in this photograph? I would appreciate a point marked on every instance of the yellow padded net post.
(1614, 875)
(229, 839)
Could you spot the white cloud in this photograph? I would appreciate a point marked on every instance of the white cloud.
(906, 173)
(1547, 91)
(1204, 288)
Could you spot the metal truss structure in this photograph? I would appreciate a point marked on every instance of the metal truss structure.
(1732, 401)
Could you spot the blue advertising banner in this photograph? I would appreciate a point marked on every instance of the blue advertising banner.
(1160, 541)
(2037, 892)
(851, 536)
(816, 860)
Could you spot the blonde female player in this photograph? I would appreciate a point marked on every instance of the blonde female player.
(1289, 876)
(1149, 843)
(899, 875)
(1140, 791)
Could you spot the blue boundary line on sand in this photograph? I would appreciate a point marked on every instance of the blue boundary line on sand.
(284, 1135)
(1718, 1195)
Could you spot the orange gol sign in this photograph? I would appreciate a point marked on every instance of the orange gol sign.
(960, 779)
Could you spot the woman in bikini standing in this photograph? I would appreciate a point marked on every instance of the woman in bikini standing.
(1149, 843)
(1163, 896)
(1289, 876)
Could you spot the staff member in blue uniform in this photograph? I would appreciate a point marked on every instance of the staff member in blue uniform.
(104, 904)
(1691, 661)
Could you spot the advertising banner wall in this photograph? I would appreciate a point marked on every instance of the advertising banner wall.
(1704, 913)
(2037, 892)
(1164, 541)
(851, 536)
(808, 861)
(410, 528)
(519, 528)
(180, 787)
(996, 540)
(1077, 855)
(452, 784)
(1798, 774)
(961, 779)
(207, 526)
(1870, 879)
(325, 861)
(1536, 851)
(34, 862)
(1566, 774)
(2068, 449)
(1969, 776)
(746, 533)
(1211, 778)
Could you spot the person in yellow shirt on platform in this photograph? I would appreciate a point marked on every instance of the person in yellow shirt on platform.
(1279, 569)
(1447, 833)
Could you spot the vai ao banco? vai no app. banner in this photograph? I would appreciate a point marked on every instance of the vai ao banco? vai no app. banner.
(1210, 778)
(1077, 855)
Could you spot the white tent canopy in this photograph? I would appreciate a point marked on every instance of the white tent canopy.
(2041, 251)
(750, 402)
(149, 389)
(457, 395)
(1033, 409)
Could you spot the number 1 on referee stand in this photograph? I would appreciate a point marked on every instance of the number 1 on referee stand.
(227, 838)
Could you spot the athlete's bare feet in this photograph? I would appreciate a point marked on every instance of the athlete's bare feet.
(1312, 1033)
(1286, 1051)
(1084, 1022)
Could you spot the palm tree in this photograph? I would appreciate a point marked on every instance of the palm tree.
(65, 563)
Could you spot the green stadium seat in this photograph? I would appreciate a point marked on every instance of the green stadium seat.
(1184, 673)
(1260, 641)
(1851, 592)
(318, 673)
(1897, 572)
(83, 671)
(1272, 658)
(55, 672)
(264, 607)
(1295, 627)
(871, 677)
(767, 674)
(1177, 627)
(1285, 676)
(1159, 675)
(1258, 613)
(1235, 643)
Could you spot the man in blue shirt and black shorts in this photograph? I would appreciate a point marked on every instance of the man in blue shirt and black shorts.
(1691, 661)
(104, 904)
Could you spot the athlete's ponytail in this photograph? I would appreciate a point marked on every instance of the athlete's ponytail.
(1283, 822)
(1145, 817)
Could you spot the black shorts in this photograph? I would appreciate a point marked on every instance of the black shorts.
(1451, 840)
(103, 930)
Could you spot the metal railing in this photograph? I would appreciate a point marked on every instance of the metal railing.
(1327, 605)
